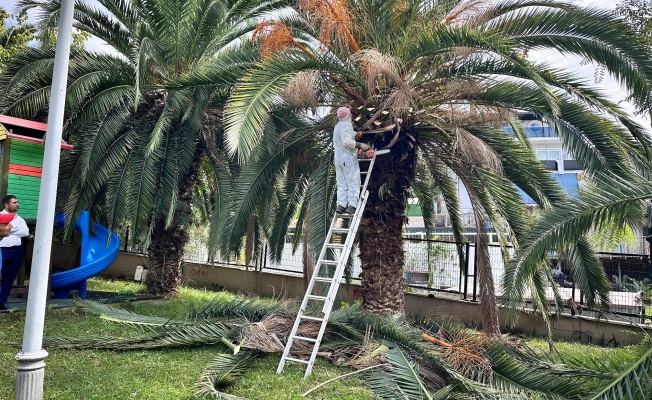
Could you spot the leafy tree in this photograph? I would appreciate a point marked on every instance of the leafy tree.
(435, 82)
(639, 14)
(145, 116)
(48, 38)
(13, 38)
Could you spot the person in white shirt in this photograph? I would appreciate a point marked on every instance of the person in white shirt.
(11, 249)
(347, 171)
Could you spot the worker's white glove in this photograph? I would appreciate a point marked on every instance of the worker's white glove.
(362, 146)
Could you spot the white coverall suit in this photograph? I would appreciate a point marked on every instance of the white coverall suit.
(347, 170)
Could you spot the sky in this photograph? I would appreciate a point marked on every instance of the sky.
(610, 87)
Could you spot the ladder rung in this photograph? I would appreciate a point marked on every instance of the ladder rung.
(322, 298)
(344, 216)
(312, 318)
(365, 159)
(335, 245)
(329, 262)
(297, 360)
(363, 172)
(340, 230)
(320, 279)
(305, 339)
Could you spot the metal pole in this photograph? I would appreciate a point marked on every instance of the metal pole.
(30, 370)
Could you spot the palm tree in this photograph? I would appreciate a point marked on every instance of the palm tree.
(144, 115)
(435, 82)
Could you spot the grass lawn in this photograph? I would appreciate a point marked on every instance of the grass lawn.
(151, 374)
(171, 373)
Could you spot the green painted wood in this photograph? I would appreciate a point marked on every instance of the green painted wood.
(26, 189)
(24, 153)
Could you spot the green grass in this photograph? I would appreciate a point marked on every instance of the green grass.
(608, 358)
(152, 374)
(171, 373)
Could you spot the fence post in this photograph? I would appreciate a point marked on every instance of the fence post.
(126, 239)
(263, 262)
(475, 271)
(466, 268)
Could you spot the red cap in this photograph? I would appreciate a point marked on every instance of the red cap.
(6, 218)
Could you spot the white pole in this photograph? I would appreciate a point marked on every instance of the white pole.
(30, 370)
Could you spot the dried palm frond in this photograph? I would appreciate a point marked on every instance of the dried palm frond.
(378, 65)
(468, 355)
(465, 12)
(466, 352)
(477, 150)
(300, 92)
(400, 100)
(275, 36)
(265, 335)
(491, 114)
(370, 353)
(461, 88)
(334, 19)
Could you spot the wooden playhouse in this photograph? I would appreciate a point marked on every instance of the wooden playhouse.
(21, 162)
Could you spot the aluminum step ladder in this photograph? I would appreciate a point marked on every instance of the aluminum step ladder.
(328, 273)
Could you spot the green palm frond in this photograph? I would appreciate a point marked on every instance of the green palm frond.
(226, 305)
(208, 333)
(123, 316)
(612, 199)
(256, 95)
(401, 380)
(221, 372)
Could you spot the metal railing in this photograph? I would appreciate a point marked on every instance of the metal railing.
(450, 268)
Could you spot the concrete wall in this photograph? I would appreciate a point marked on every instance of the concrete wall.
(291, 285)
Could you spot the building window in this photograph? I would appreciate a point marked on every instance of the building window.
(549, 154)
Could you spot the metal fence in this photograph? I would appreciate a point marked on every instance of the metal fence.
(450, 268)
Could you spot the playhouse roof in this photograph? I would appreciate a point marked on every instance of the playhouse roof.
(27, 131)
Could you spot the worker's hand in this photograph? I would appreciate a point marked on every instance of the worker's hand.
(4, 230)
(358, 135)
(364, 147)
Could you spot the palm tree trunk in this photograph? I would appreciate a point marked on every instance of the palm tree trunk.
(487, 292)
(165, 258)
(380, 234)
(168, 245)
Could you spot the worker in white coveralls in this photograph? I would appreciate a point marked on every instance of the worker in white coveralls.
(347, 171)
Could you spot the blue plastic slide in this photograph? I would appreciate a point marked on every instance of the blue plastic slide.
(95, 257)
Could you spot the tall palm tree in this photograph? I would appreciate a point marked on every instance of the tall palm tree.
(144, 114)
(435, 82)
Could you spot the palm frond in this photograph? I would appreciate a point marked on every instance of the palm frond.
(123, 316)
(221, 372)
(226, 305)
(401, 380)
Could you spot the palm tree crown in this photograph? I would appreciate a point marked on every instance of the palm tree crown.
(145, 114)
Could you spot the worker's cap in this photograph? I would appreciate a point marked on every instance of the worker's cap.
(6, 218)
(343, 112)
